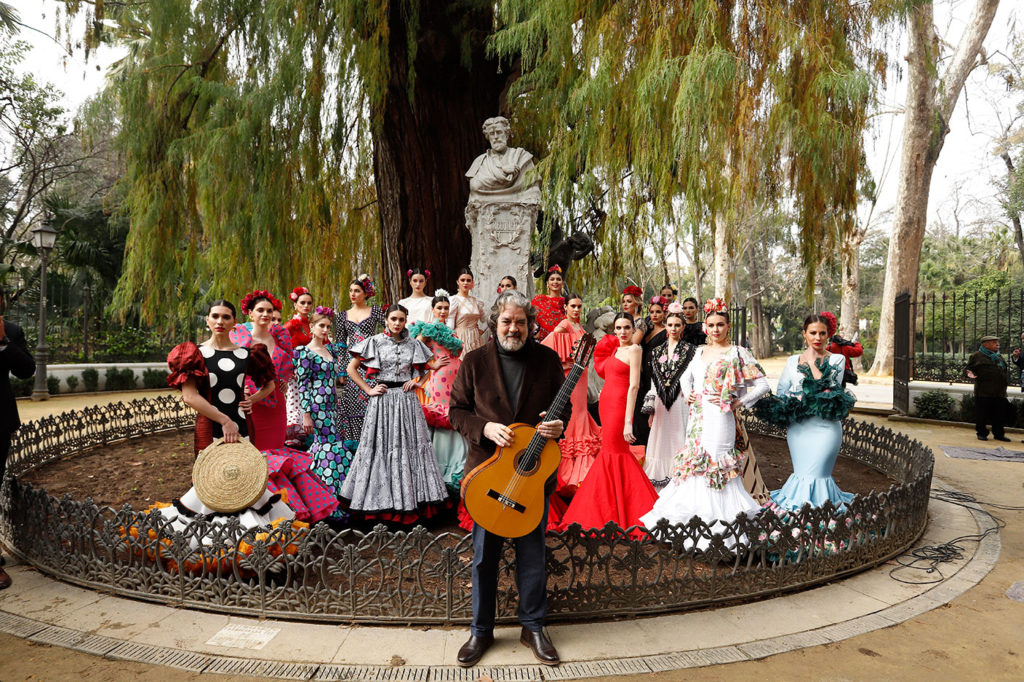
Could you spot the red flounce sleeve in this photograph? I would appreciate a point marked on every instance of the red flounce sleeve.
(261, 367)
(186, 361)
(604, 349)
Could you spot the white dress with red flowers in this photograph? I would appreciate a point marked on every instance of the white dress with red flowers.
(707, 473)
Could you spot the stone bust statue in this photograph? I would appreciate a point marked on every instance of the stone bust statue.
(497, 174)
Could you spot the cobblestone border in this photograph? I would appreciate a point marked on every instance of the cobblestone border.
(970, 574)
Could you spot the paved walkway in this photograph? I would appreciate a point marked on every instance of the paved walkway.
(867, 626)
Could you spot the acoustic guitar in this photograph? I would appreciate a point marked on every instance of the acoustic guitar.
(505, 494)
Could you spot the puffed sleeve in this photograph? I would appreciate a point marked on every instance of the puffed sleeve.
(367, 351)
(421, 355)
(241, 335)
(561, 341)
(453, 311)
(604, 349)
(481, 324)
(786, 378)
(284, 342)
(185, 361)
(261, 367)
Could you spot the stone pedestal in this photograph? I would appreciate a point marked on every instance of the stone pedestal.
(501, 243)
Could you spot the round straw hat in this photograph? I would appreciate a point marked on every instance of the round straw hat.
(229, 477)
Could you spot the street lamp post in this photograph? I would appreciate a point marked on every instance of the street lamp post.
(43, 238)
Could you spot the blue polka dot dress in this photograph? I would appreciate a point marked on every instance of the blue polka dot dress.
(315, 377)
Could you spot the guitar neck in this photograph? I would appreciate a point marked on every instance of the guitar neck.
(558, 404)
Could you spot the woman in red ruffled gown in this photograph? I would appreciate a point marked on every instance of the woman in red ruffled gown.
(550, 308)
(616, 488)
(581, 440)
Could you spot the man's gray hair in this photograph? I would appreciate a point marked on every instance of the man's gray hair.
(516, 299)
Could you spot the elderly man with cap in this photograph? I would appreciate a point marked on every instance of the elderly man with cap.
(989, 371)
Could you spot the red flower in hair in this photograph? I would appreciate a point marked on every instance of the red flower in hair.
(715, 305)
(633, 290)
(246, 304)
(297, 292)
(555, 268)
(831, 321)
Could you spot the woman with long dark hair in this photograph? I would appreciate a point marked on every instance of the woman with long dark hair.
(466, 317)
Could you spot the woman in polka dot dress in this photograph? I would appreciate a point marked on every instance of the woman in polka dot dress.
(449, 445)
(211, 377)
(356, 324)
(317, 368)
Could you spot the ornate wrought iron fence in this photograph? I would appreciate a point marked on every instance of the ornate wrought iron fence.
(947, 328)
(422, 577)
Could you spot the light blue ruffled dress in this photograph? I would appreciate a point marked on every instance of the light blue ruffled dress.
(813, 440)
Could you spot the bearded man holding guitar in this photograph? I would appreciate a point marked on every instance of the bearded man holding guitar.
(515, 379)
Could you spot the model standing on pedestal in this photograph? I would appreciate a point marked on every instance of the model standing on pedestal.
(466, 316)
(707, 474)
(665, 406)
(359, 322)
(811, 393)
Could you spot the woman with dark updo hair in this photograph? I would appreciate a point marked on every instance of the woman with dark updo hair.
(466, 316)
(550, 308)
(359, 322)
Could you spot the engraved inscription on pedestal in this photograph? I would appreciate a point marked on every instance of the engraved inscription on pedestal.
(502, 212)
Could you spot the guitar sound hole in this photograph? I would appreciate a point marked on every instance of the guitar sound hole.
(525, 464)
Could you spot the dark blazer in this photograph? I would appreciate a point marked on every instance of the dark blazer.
(14, 359)
(992, 377)
(479, 395)
(1019, 361)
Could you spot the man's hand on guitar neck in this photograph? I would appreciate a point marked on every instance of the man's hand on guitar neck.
(552, 429)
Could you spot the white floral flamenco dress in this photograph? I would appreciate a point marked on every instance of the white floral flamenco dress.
(707, 473)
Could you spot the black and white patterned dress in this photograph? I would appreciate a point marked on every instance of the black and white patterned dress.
(394, 474)
(227, 375)
(352, 406)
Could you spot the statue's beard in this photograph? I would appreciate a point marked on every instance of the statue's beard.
(511, 343)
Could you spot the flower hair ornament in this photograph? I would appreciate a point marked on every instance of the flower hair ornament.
(555, 268)
(658, 300)
(409, 273)
(367, 284)
(324, 310)
(246, 304)
(830, 320)
(499, 289)
(441, 292)
(633, 290)
(675, 307)
(297, 292)
(715, 305)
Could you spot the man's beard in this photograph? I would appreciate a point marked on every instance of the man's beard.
(511, 343)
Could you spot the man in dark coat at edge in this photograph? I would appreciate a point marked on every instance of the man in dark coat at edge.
(14, 359)
(512, 379)
(990, 373)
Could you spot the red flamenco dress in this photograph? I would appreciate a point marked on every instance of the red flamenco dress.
(218, 377)
(581, 440)
(616, 488)
(550, 311)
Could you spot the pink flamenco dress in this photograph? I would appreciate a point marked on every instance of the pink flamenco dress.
(616, 489)
(450, 446)
(289, 469)
(582, 438)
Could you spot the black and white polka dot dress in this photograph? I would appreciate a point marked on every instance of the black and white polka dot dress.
(227, 375)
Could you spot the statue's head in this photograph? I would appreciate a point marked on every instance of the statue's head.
(497, 131)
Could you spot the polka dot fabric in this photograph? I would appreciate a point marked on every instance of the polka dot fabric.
(315, 378)
(227, 374)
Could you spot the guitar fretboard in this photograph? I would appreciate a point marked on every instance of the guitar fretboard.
(532, 453)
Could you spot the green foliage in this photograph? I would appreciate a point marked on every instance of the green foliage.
(119, 379)
(72, 382)
(90, 379)
(53, 385)
(154, 378)
(967, 408)
(130, 344)
(935, 404)
(22, 387)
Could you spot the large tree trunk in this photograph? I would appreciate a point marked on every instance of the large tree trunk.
(760, 338)
(423, 146)
(723, 259)
(928, 109)
(698, 273)
(849, 303)
(1011, 176)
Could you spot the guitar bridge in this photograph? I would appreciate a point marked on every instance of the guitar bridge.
(507, 501)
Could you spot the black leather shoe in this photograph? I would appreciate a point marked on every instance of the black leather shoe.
(542, 648)
(982, 437)
(5, 580)
(1002, 438)
(474, 649)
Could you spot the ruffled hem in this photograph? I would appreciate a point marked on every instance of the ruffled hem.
(437, 416)
(717, 473)
(680, 501)
(798, 491)
(578, 457)
(307, 495)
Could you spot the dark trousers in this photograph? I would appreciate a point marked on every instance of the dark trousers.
(531, 577)
(990, 411)
(5, 449)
